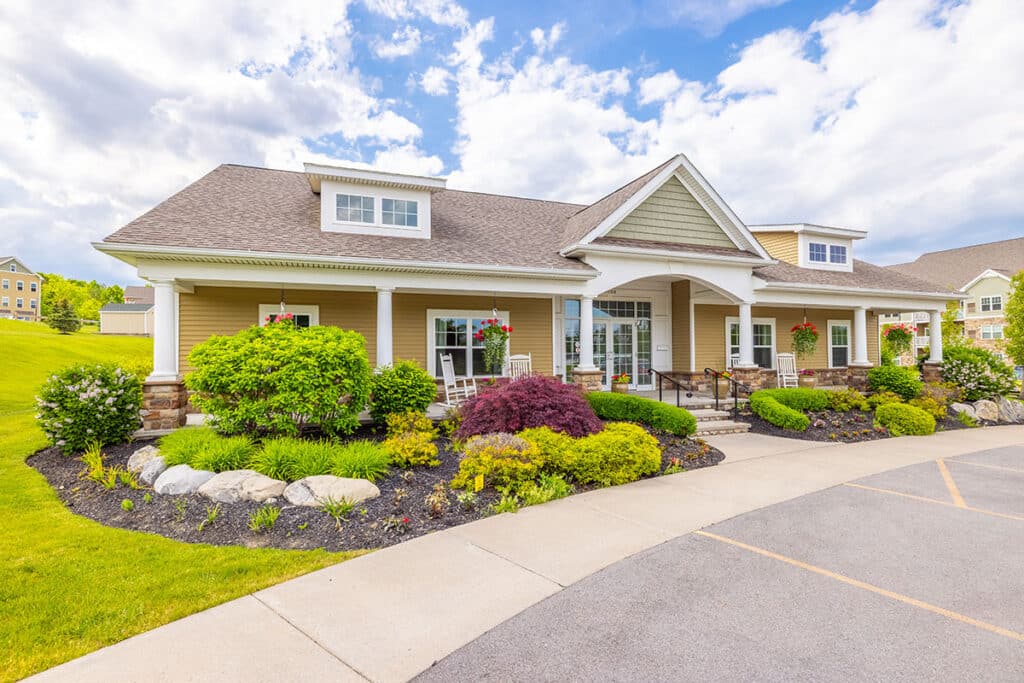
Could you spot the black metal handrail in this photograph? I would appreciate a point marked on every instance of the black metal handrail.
(734, 386)
(678, 385)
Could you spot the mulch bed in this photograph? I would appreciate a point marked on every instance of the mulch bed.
(401, 497)
(833, 426)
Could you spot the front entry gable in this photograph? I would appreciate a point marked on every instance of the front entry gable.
(672, 215)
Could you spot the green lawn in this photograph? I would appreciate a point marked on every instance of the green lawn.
(69, 585)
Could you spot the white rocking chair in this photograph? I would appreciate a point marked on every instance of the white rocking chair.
(455, 390)
(786, 369)
(520, 365)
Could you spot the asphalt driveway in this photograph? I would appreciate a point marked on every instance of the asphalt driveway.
(913, 574)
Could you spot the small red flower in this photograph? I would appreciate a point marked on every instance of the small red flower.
(405, 520)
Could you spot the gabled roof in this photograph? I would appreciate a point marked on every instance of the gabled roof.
(141, 294)
(955, 268)
(4, 260)
(125, 308)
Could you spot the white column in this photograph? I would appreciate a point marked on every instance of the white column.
(935, 341)
(165, 340)
(693, 338)
(860, 337)
(746, 337)
(385, 343)
(587, 333)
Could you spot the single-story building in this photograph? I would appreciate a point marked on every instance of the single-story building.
(660, 274)
(134, 319)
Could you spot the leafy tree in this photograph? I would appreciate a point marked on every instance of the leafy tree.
(952, 331)
(1013, 331)
(63, 318)
(85, 298)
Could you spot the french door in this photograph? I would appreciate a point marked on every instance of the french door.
(623, 347)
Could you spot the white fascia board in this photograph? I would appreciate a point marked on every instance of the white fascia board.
(131, 253)
(662, 254)
(984, 275)
(361, 175)
(810, 229)
(825, 296)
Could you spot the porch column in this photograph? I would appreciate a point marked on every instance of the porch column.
(587, 333)
(860, 337)
(746, 337)
(385, 348)
(935, 334)
(165, 342)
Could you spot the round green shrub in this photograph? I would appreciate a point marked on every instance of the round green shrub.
(87, 404)
(620, 454)
(799, 399)
(281, 379)
(900, 380)
(764, 404)
(401, 388)
(905, 420)
(654, 414)
(980, 374)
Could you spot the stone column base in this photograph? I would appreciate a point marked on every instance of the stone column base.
(755, 378)
(857, 377)
(589, 380)
(164, 405)
(931, 372)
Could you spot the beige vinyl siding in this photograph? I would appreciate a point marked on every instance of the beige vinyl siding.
(784, 246)
(530, 319)
(681, 325)
(227, 310)
(138, 323)
(990, 286)
(672, 215)
(710, 332)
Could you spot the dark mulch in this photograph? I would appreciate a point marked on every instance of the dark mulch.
(402, 496)
(833, 426)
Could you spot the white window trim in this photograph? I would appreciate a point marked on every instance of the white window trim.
(33, 304)
(804, 245)
(849, 340)
(375, 199)
(312, 310)
(378, 212)
(733, 320)
(14, 268)
(992, 299)
(19, 303)
(6, 283)
(434, 313)
(992, 329)
(33, 286)
(20, 286)
(6, 301)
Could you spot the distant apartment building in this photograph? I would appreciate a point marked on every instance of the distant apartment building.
(20, 290)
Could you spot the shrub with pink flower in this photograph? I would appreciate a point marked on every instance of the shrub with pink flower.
(87, 404)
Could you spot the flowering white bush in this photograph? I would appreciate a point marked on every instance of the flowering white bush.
(87, 404)
(979, 373)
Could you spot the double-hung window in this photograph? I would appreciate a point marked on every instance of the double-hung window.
(991, 331)
(991, 303)
(6, 301)
(21, 285)
(19, 303)
(403, 212)
(32, 286)
(354, 208)
(764, 341)
(6, 284)
(14, 268)
(837, 254)
(817, 252)
(452, 333)
(838, 343)
(33, 303)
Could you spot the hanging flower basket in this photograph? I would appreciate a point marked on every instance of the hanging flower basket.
(494, 334)
(805, 339)
(899, 337)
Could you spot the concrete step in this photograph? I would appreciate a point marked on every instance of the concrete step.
(715, 427)
(709, 414)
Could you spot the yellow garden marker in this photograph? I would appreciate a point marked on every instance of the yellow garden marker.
(478, 483)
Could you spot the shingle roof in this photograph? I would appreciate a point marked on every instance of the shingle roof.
(955, 268)
(140, 294)
(125, 308)
(672, 246)
(264, 210)
(864, 276)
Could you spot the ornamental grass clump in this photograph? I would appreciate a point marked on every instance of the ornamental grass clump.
(529, 402)
(280, 379)
(202, 448)
(87, 404)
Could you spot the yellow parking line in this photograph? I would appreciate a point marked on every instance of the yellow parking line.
(934, 501)
(954, 492)
(991, 467)
(941, 611)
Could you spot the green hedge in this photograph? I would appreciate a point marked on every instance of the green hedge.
(764, 404)
(905, 420)
(903, 381)
(799, 399)
(654, 414)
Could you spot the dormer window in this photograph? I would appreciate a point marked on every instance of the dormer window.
(354, 208)
(837, 254)
(399, 212)
(817, 252)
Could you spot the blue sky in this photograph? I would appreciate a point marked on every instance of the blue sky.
(900, 117)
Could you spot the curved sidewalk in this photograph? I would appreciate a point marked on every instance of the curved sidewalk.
(389, 615)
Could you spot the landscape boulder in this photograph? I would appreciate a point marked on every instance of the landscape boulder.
(236, 485)
(314, 491)
(181, 479)
(964, 408)
(987, 411)
(137, 461)
(1010, 410)
(152, 469)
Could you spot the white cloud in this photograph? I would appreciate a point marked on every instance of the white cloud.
(659, 87)
(404, 42)
(544, 42)
(435, 81)
(708, 16)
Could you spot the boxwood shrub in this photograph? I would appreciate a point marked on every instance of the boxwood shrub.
(88, 404)
(401, 388)
(905, 420)
(800, 399)
(654, 414)
(902, 381)
(765, 405)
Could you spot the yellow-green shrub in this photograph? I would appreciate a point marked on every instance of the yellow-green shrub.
(505, 461)
(930, 405)
(905, 420)
(410, 440)
(883, 397)
(843, 400)
(555, 448)
(621, 453)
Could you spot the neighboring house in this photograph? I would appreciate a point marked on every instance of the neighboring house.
(980, 272)
(659, 274)
(138, 294)
(21, 290)
(134, 319)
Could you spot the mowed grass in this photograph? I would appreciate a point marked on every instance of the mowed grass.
(69, 585)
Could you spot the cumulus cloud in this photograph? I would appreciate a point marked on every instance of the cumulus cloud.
(659, 87)
(403, 42)
(544, 41)
(435, 81)
(707, 16)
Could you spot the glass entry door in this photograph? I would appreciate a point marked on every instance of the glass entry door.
(615, 350)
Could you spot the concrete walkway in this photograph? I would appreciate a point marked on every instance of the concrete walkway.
(389, 615)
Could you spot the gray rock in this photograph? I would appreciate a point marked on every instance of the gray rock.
(181, 479)
(152, 469)
(139, 458)
(987, 411)
(1010, 410)
(236, 485)
(314, 491)
(964, 408)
